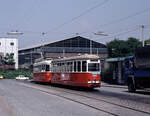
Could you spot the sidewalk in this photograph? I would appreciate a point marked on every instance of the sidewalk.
(113, 85)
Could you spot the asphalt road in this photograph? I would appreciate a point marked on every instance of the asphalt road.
(28, 99)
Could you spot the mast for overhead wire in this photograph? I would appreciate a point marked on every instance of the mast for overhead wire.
(42, 45)
(142, 35)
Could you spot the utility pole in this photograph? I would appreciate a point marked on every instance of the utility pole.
(63, 53)
(91, 42)
(91, 45)
(42, 45)
(142, 35)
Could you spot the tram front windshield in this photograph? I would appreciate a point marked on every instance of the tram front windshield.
(93, 67)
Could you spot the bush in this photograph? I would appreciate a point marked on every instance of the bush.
(11, 73)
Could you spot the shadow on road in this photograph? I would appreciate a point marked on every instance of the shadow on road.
(143, 92)
(132, 96)
(107, 94)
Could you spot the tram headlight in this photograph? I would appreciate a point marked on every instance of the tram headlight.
(89, 81)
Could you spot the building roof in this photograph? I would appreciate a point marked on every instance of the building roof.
(77, 41)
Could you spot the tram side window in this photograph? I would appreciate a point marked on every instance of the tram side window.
(55, 69)
(79, 66)
(40, 67)
(43, 68)
(63, 67)
(74, 66)
(47, 68)
(59, 67)
(70, 66)
(84, 65)
(67, 66)
(36, 69)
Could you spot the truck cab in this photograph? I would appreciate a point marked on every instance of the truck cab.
(137, 70)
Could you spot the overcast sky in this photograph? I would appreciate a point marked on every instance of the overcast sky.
(62, 19)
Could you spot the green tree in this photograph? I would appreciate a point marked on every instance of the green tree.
(147, 42)
(117, 48)
(122, 48)
(132, 44)
(8, 59)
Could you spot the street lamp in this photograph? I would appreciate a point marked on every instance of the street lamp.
(100, 33)
(14, 33)
(142, 35)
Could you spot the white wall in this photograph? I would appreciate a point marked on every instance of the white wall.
(6, 47)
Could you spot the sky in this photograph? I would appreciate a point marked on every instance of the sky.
(63, 19)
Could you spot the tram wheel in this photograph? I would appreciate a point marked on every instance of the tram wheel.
(131, 87)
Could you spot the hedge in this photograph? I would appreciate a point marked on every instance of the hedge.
(11, 74)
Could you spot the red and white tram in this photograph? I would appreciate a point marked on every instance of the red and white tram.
(42, 70)
(81, 71)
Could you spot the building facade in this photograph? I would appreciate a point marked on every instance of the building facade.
(64, 48)
(9, 46)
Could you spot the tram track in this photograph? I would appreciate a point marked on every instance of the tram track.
(85, 96)
(79, 94)
(67, 98)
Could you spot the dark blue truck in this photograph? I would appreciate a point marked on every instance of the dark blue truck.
(137, 69)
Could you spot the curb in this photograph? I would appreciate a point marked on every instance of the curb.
(113, 86)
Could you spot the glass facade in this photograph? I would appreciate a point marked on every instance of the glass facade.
(74, 50)
(73, 45)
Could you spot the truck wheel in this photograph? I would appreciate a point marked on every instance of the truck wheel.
(131, 87)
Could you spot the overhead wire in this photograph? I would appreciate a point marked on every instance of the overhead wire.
(106, 24)
(80, 15)
(119, 20)
(137, 27)
(122, 33)
(30, 11)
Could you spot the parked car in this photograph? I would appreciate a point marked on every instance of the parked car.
(21, 77)
(1, 77)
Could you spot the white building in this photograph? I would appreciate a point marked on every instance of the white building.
(9, 45)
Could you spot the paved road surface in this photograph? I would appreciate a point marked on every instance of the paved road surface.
(19, 99)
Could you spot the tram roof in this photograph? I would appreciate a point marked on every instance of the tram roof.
(45, 62)
(78, 57)
(42, 61)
